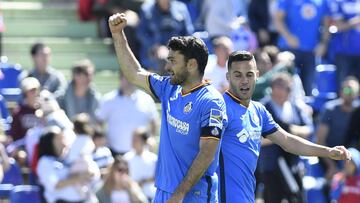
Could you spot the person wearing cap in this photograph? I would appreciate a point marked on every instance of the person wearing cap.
(345, 185)
(24, 116)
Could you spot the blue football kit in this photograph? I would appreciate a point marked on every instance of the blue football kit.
(240, 148)
(186, 118)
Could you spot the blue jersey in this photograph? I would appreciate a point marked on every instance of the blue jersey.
(185, 118)
(303, 19)
(240, 148)
(346, 42)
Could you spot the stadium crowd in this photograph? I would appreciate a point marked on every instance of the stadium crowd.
(79, 146)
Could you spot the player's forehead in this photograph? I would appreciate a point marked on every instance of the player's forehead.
(243, 67)
(175, 54)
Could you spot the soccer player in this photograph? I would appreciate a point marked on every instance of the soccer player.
(248, 122)
(193, 117)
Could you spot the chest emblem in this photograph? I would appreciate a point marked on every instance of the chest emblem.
(188, 108)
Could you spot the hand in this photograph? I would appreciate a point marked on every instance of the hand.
(176, 198)
(339, 153)
(292, 41)
(320, 49)
(117, 23)
(83, 178)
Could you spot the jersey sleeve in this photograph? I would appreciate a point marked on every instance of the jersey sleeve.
(268, 123)
(213, 119)
(282, 5)
(158, 85)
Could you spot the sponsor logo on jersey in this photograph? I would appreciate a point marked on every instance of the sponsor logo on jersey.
(181, 126)
(188, 108)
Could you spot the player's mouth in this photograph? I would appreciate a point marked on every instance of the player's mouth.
(244, 90)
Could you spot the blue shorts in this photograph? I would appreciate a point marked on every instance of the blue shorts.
(210, 195)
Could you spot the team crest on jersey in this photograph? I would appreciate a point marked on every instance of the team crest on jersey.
(308, 11)
(216, 118)
(188, 108)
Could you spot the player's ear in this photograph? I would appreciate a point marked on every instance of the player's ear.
(192, 65)
(227, 76)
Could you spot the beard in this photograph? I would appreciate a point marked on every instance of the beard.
(179, 78)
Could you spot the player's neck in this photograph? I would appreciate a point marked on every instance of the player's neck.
(191, 84)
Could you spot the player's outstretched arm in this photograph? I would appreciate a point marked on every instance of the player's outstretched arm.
(202, 161)
(129, 65)
(297, 145)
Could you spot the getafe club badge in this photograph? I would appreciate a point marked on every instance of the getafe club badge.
(188, 108)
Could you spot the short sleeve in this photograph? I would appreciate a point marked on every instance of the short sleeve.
(47, 174)
(269, 125)
(158, 85)
(213, 119)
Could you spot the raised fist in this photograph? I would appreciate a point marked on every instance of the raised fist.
(117, 23)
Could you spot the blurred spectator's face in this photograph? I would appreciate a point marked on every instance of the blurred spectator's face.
(99, 142)
(263, 62)
(281, 91)
(223, 52)
(42, 58)
(349, 92)
(83, 78)
(176, 68)
(350, 168)
(138, 143)
(164, 4)
(59, 144)
(32, 96)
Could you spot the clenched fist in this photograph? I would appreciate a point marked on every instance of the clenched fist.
(340, 153)
(117, 23)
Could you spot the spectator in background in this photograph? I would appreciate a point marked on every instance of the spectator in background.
(222, 18)
(334, 120)
(80, 96)
(159, 21)
(346, 38)
(124, 110)
(345, 184)
(283, 63)
(49, 78)
(298, 24)
(24, 116)
(80, 157)
(54, 174)
(261, 15)
(102, 154)
(216, 70)
(353, 130)
(293, 119)
(140, 158)
(119, 186)
(50, 115)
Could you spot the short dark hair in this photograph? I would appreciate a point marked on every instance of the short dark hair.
(83, 66)
(240, 56)
(82, 124)
(46, 145)
(192, 48)
(35, 48)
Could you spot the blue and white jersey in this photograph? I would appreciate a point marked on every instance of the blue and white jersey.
(303, 19)
(240, 148)
(185, 118)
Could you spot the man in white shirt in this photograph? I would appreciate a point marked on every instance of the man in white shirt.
(140, 158)
(123, 111)
(216, 69)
